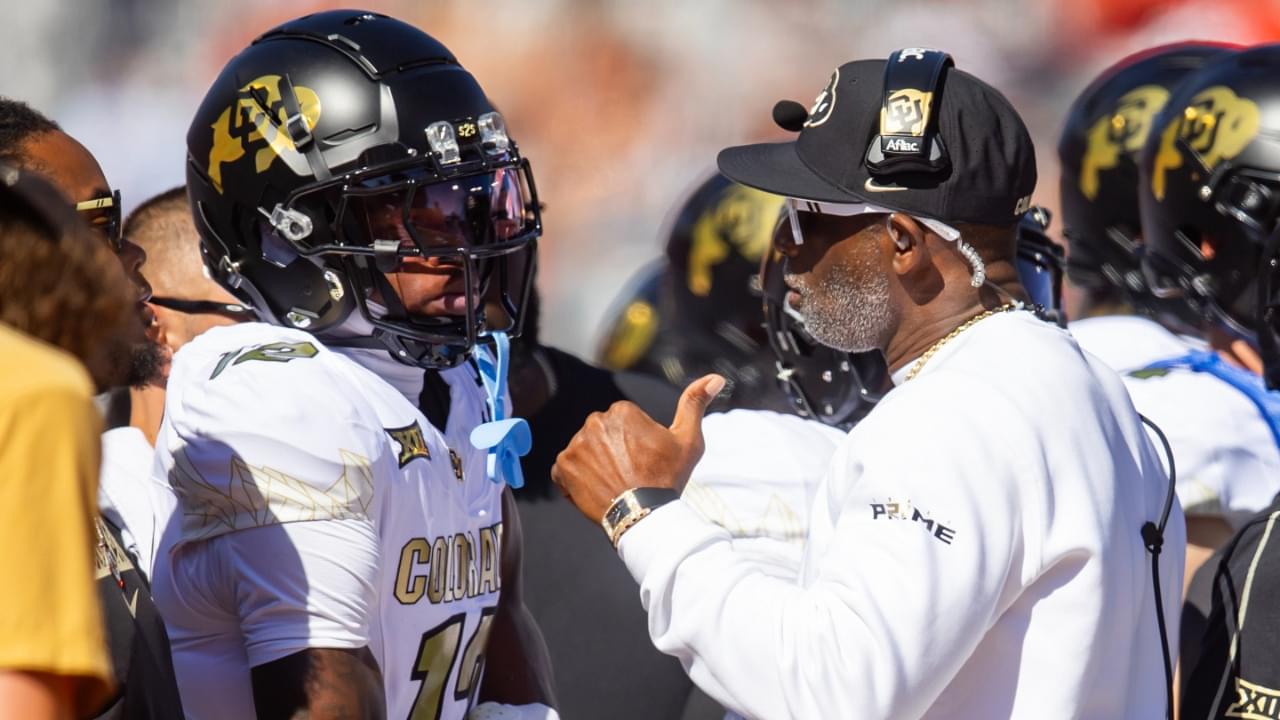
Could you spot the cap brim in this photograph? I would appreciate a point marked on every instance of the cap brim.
(777, 168)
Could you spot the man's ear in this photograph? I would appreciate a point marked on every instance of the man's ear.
(907, 238)
(163, 325)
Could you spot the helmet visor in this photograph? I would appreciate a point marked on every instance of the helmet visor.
(483, 214)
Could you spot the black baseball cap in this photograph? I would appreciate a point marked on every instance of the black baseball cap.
(974, 161)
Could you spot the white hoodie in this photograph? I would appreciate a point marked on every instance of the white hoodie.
(973, 552)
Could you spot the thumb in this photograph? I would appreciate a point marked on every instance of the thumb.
(687, 424)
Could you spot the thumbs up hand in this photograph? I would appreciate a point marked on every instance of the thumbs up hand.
(624, 448)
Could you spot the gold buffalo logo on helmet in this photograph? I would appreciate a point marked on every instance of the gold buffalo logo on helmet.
(1215, 126)
(906, 113)
(632, 336)
(256, 121)
(1124, 130)
(743, 220)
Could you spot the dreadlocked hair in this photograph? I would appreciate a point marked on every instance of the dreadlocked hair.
(65, 288)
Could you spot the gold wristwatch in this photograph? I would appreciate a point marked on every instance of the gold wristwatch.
(631, 507)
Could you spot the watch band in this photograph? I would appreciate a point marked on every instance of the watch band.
(631, 507)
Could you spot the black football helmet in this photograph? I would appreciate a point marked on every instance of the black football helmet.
(1210, 192)
(1040, 264)
(1098, 150)
(632, 325)
(832, 386)
(699, 311)
(340, 145)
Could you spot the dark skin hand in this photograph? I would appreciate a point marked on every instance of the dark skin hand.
(623, 448)
(518, 666)
(320, 684)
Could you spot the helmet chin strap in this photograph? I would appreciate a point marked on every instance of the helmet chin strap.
(355, 327)
(356, 331)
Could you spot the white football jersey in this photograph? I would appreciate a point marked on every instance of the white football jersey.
(123, 495)
(1225, 456)
(315, 506)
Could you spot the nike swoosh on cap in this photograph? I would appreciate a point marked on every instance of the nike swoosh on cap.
(871, 185)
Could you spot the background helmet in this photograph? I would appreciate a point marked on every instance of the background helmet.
(1099, 148)
(832, 386)
(336, 146)
(1210, 190)
(632, 325)
(1040, 264)
(699, 311)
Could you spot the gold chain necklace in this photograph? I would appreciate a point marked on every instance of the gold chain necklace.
(934, 348)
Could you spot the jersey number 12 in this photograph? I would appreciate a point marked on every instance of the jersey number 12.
(436, 656)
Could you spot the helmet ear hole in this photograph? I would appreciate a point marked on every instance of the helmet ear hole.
(275, 249)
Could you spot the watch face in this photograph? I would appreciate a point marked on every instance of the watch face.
(616, 513)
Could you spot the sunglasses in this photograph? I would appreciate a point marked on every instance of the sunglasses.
(103, 214)
(796, 206)
(233, 311)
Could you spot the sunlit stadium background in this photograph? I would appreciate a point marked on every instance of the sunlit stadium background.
(621, 106)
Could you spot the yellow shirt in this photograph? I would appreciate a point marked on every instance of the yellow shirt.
(50, 619)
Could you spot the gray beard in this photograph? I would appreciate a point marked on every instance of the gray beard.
(852, 312)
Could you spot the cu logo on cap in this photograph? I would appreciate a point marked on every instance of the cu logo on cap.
(906, 113)
(824, 103)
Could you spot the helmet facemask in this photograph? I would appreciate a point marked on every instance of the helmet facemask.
(476, 223)
(824, 384)
(1039, 263)
(1221, 287)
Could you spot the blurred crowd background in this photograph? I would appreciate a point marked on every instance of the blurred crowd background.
(621, 106)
